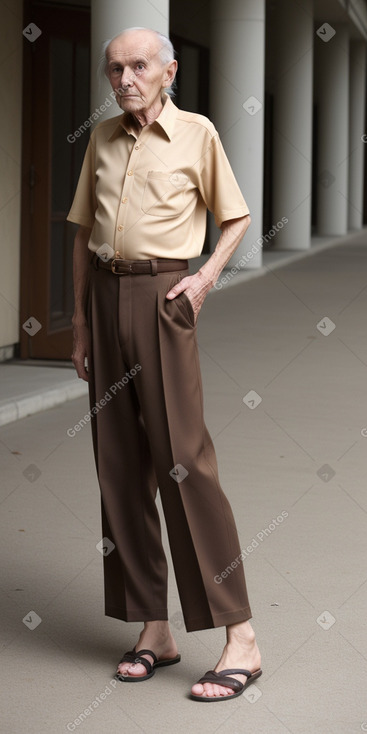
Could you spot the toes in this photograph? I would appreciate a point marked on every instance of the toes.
(137, 669)
(208, 690)
(211, 690)
(122, 668)
(223, 691)
(219, 691)
(131, 669)
(205, 690)
(197, 689)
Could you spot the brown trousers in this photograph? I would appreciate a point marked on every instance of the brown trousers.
(148, 430)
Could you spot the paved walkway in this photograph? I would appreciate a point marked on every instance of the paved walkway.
(284, 361)
(27, 388)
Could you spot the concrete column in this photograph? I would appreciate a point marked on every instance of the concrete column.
(332, 94)
(292, 131)
(237, 99)
(356, 130)
(108, 19)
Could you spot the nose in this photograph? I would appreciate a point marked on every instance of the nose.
(127, 78)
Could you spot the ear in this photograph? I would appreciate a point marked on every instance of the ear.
(170, 74)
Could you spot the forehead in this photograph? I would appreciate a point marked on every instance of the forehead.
(131, 45)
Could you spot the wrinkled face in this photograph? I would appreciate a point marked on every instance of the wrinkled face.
(136, 72)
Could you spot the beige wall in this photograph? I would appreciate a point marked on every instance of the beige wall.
(11, 43)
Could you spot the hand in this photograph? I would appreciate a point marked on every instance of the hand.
(196, 288)
(81, 349)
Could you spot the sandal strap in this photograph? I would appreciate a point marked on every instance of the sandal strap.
(232, 671)
(128, 657)
(135, 657)
(221, 679)
(148, 652)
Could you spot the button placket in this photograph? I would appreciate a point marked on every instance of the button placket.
(125, 196)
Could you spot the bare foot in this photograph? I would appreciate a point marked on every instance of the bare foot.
(155, 636)
(241, 651)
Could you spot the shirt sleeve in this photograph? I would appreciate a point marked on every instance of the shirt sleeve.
(218, 185)
(85, 204)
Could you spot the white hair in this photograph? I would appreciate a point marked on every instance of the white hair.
(166, 53)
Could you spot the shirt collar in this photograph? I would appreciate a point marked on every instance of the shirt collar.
(166, 120)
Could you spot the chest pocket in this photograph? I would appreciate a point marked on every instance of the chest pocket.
(164, 193)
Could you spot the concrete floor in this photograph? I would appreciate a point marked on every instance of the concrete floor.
(301, 452)
(27, 388)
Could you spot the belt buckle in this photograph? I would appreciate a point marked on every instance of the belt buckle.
(113, 266)
(116, 272)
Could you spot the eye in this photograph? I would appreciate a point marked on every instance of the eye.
(140, 66)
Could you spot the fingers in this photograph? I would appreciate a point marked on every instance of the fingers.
(81, 349)
(179, 287)
(83, 374)
(195, 291)
(175, 291)
(80, 367)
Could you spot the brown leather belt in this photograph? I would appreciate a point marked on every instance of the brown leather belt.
(119, 266)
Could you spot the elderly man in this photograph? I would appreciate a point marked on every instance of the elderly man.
(148, 177)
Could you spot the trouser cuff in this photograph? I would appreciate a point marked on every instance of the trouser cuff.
(137, 615)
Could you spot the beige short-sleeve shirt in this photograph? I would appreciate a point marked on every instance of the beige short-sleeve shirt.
(147, 195)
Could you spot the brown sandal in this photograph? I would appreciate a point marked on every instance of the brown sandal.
(135, 657)
(221, 680)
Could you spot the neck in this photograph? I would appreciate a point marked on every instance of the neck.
(147, 117)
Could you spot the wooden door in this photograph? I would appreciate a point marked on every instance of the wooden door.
(56, 102)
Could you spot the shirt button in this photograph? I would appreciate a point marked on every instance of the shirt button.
(137, 147)
(130, 173)
(124, 200)
(120, 227)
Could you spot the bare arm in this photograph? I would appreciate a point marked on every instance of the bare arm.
(232, 232)
(81, 260)
(197, 286)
